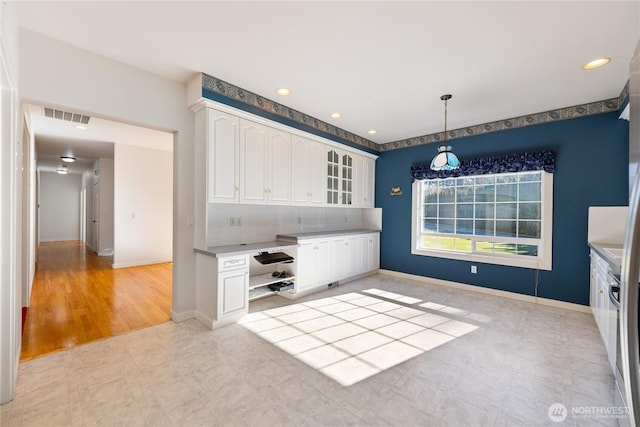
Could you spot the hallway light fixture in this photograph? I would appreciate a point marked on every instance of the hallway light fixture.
(62, 170)
(68, 159)
(445, 159)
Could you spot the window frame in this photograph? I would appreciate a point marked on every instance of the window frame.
(543, 261)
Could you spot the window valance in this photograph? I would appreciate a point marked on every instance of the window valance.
(540, 160)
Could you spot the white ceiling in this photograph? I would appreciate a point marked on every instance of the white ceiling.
(383, 65)
(57, 137)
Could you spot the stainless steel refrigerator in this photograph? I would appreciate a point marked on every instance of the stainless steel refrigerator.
(628, 375)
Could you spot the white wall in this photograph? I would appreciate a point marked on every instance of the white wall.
(143, 206)
(59, 207)
(105, 178)
(10, 205)
(88, 82)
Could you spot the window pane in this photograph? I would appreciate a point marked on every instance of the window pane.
(464, 211)
(429, 225)
(529, 229)
(505, 248)
(506, 211)
(447, 195)
(446, 211)
(484, 228)
(428, 242)
(430, 195)
(484, 211)
(531, 176)
(430, 211)
(485, 193)
(446, 243)
(464, 226)
(464, 194)
(466, 180)
(484, 246)
(445, 225)
(485, 179)
(506, 178)
(506, 228)
(529, 211)
(506, 192)
(529, 250)
(463, 245)
(530, 191)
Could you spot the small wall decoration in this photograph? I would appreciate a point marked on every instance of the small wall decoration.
(396, 191)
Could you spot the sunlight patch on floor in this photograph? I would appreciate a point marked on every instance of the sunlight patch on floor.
(354, 336)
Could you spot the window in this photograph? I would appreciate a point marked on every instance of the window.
(494, 218)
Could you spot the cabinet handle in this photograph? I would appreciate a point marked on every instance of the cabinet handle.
(601, 291)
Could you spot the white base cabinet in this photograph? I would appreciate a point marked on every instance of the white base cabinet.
(325, 260)
(604, 312)
(221, 289)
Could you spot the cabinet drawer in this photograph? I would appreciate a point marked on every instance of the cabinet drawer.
(233, 262)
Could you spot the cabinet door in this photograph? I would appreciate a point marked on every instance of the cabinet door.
(368, 184)
(279, 168)
(233, 291)
(253, 162)
(346, 179)
(358, 181)
(352, 255)
(223, 152)
(318, 174)
(338, 258)
(305, 266)
(322, 273)
(374, 254)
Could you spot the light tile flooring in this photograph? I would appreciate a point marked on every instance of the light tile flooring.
(378, 351)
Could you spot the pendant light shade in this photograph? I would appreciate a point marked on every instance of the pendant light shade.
(445, 159)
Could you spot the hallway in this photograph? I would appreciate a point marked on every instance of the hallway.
(78, 298)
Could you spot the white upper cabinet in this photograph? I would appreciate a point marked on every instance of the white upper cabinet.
(308, 172)
(253, 162)
(279, 167)
(222, 154)
(250, 161)
(363, 182)
(340, 176)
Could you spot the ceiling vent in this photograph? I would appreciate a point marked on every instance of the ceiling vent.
(66, 115)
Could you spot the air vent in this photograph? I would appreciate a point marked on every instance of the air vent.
(66, 115)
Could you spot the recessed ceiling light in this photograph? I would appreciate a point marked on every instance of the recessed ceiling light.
(283, 91)
(68, 159)
(596, 63)
(81, 127)
(336, 115)
(372, 132)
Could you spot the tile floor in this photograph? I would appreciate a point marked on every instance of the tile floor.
(380, 351)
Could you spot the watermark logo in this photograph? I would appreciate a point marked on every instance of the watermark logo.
(557, 412)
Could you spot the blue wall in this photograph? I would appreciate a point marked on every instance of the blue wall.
(591, 170)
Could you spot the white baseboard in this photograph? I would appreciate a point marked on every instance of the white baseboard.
(139, 263)
(181, 317)
(489, 291)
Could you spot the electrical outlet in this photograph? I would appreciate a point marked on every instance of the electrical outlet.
(232, 221)
(474, 269)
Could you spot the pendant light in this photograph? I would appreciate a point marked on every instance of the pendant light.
(445, 159)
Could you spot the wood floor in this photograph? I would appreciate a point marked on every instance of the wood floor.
(77, 298)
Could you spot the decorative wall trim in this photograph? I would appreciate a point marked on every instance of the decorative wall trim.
(598, 107)
(252, 100)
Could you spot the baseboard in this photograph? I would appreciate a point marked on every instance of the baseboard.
(489, 291)
(181, 317)
(139, 263)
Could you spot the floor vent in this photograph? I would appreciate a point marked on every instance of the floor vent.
(66, 115)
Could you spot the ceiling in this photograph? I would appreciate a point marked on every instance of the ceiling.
(58, 137)
(382, 65)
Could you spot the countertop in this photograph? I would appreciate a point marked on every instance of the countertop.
(295, 237)
(248, 248)
(610, 252)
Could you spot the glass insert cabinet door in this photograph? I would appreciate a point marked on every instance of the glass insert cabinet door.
(333, 177)
(339, 178)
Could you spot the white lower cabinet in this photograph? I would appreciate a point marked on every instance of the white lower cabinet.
(221, 289)
(312, 264)
(332, 259)
(604, 311)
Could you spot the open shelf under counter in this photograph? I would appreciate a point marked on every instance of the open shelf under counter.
(267, 279)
